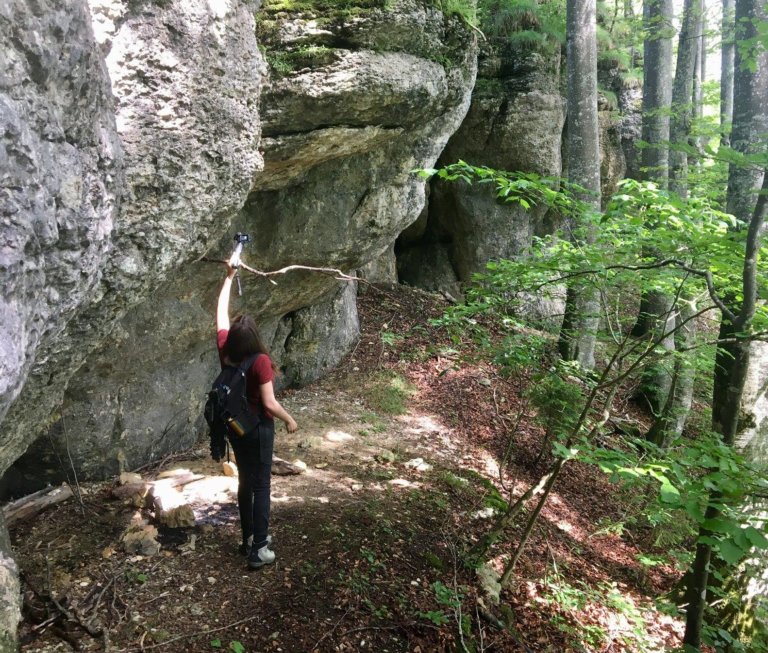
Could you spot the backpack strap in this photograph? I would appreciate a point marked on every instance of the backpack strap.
(248, 362)
(244, 367)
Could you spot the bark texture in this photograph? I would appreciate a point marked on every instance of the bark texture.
(727, 55)
(657, 87)
(680, 124)
(577, 336)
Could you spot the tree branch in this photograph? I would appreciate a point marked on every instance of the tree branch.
(669, 262)
(332, 272)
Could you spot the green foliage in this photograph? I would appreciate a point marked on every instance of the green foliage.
(688, 477)
(135, 577)
(390, 339)
(321, 6)
(524, 24)
(388, 394)
(445, 598)
(234, 646)
(572, 600)
(466, 10)
(284, 63)
(557, 399)
(646, 239)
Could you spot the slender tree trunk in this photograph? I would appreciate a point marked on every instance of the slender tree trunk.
(685, 371)
(578, 333)
(750, 123)
(656, 311)
(726, 70)
(657, 99)
(657, 88)
(682, 89)
(657, 316)
(678, 401)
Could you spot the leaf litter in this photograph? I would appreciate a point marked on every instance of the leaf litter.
(369, 548)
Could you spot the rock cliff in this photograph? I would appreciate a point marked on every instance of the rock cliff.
(172, 134)
(516, 122)
(136, 138)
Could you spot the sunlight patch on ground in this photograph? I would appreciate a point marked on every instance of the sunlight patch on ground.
(422, 423)
(339, 436)
(286, 498)
(212, 488)
(490, 466)
(557, 512)
(405, 483)
(430, 431)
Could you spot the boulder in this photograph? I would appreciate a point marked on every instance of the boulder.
(515, 122)
(119, 372)
(141, 539)
(133, 131)
(10, 593)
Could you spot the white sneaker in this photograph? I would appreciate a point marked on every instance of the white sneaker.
(263, 556)
(245, 549)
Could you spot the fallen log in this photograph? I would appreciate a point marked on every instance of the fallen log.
(35, 503)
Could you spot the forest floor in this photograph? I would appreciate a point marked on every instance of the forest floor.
(402, 444)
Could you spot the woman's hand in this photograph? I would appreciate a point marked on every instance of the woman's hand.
(291, 426)
(231, 271)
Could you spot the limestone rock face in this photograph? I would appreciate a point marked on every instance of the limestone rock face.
(320, 336)
(361, 101)
(515, 122)
(10, 593)
(186, 99)
(61, 163)
(132, 140)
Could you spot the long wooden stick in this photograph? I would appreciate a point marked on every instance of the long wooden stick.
(333, 272)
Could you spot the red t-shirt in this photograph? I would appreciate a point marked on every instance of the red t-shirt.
(259, 374)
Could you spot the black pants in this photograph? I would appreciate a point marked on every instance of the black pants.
(254, 463)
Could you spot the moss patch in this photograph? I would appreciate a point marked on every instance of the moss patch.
(284, 63)
(388, 394)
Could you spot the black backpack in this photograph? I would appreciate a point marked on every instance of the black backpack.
(226, 410)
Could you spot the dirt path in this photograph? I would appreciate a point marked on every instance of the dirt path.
(352, 536)
(368, 540)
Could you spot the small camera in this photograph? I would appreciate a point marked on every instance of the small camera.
(242, 238)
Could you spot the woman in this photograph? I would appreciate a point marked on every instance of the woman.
(236, 343)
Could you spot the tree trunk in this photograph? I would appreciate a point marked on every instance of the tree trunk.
(680, 123)
(657, 317)
(657, 88)
(749, 584)
(726, 70)
(578, 333)
(685, 371)
(654, 313)
(750, 123)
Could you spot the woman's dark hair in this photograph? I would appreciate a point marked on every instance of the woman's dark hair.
(243, 340)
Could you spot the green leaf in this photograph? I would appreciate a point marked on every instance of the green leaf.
(215, 643)
(669, 493)
(236, 647)
(756, 538)
(719, 525)
(729, 552)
